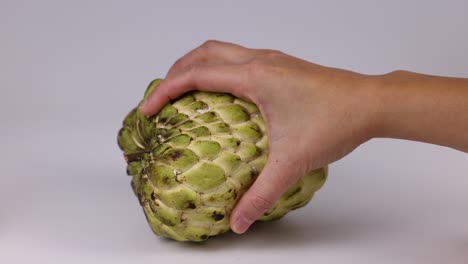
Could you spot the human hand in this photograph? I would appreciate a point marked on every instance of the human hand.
(315, 115)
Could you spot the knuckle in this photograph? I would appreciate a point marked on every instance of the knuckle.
(260, 203)
(273, 54)
(178, 64)
(210, 44)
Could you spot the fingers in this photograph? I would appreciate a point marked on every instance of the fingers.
(213, 78)
(273, 181)
(214, 66)
(211, 52)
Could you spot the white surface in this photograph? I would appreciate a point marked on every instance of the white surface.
(70, 71)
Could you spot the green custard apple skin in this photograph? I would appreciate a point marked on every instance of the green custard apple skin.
(191, 162)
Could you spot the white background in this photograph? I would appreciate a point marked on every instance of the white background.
(71, 70)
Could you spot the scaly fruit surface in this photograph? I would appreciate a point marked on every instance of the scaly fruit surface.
(191, 162)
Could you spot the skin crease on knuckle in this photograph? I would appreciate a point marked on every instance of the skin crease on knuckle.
(192, 72)
(259, 203)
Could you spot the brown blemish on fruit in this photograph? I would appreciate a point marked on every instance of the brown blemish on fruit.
(182, 218)
(256, 129)
(191, 205)
(253, 174)
(204, 237)
(132, 157)
(175, 155)
(217, 217)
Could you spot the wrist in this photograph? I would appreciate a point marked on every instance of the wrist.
(378, 100)
(419, 107)
(401, 99)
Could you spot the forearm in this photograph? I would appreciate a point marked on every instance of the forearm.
(420, 107)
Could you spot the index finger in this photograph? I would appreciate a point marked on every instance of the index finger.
(214, 78)
(211, 52)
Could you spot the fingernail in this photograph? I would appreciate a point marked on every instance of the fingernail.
(241, 225)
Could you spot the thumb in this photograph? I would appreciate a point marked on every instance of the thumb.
(272, 182)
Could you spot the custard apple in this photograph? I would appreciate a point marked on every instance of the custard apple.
(191, 162)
